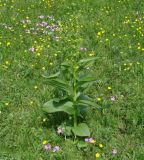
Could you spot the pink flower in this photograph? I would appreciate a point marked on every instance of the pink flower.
(114, 151)
(112, 98)
(47, 147)
(59, 130)
(56, 148)
(31, 49)
(90, 140)
(86, 140)
(41, 17)
(83, 49)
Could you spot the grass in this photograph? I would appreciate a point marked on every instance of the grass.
(111, 30)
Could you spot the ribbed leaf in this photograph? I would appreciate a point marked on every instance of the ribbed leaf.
(87, 60)
(81, 130)
(60, 84)
(85, 81)
(86, 102)
(62, 106)
(53, 75)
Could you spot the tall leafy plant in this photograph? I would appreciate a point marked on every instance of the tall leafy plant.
(71, 81)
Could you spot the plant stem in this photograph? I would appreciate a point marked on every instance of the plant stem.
(75, 119)
(74, 98)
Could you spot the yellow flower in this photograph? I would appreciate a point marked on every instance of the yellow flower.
(97, 155)
(109, 88)
(43, 68)
(44, 142)
(51, 63)
(44, 119)
(91, 54)
(6, 104)
(99, 33)
(130, 46)
(8, 43)
(101, 145)
(6, 62)
(38, 54)
(35, 87)
(31, 102)
(139, 48)
(93, 142)
(98, 99)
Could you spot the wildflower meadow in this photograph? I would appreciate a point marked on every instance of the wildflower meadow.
(71, 79)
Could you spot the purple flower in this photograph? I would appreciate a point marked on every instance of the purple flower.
(27, 21)
(112, 98)
(114, 151)
(90, 140)
(83, 49)
(47, 147)
(41, 17)
(31, 49)
(44, 23)
(50, 17)
(59, 130)
(56, 148)
(86, 140)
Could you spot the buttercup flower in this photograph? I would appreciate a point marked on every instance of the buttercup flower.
(6, 104)
(91, 140)
(101, 145)
(97, 155)
(98, 99)
(44, 142)
(109, 88)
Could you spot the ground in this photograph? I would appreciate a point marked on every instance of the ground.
(36, 36)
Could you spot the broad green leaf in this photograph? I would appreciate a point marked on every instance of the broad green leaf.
(82, 144)
(81, 130)
(62, 106)
(84, 63)
(87, 60)
(83, 97)
(66, 64)
(81, 110)
(60, 84)
(87, 79)
(68, 131)
(85, 82)
(87, 103)
(53, 75)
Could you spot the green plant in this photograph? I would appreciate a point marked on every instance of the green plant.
(71, 81)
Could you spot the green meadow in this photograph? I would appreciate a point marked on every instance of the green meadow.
(36, 37)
